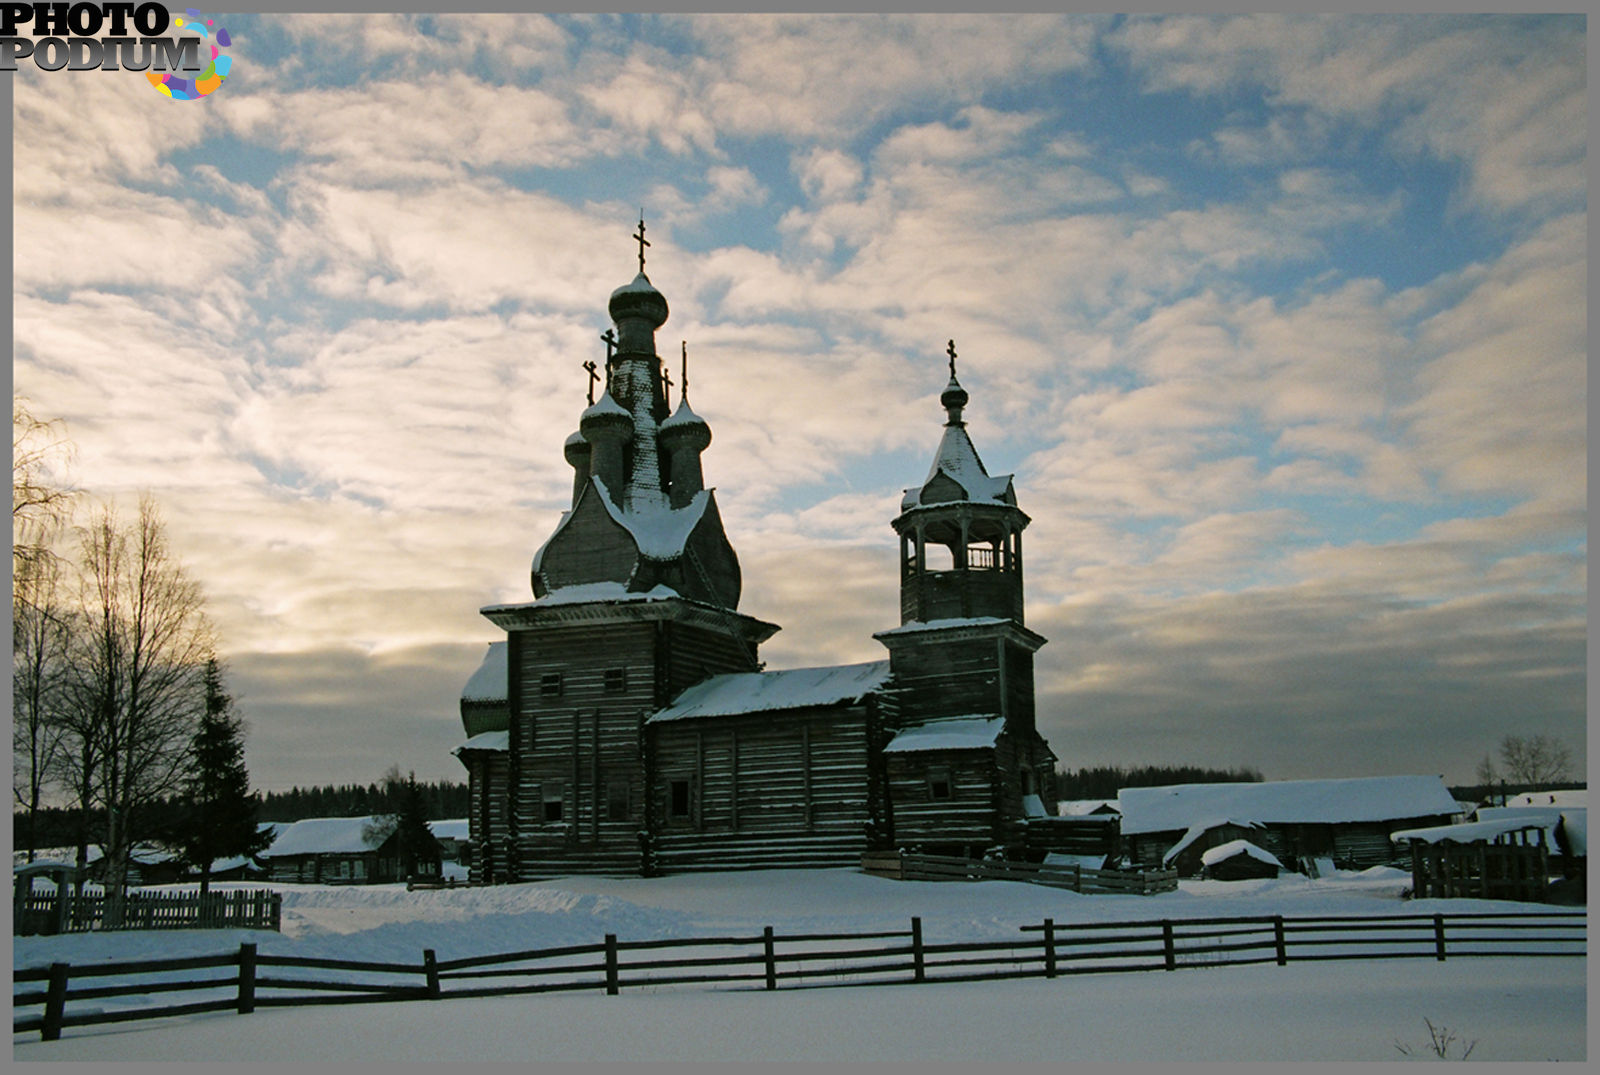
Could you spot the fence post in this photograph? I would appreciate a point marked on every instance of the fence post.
(772, 962)
(1438, 937)
(1049, 948)
(430, 970)
(1167, 948)
(611, 964)
(1279, 940)
(247, 978)
(277, 911)
(1077, 877)
(62, 900)
(916, 950)
(55, 1003)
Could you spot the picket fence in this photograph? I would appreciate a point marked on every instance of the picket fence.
(61, 911)
(1049, 949)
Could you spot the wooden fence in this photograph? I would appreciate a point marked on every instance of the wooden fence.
(906, 866)
(62, 912)
(763, 960)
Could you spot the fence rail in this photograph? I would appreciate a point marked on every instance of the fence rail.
(908, 866)
(63, 912)
(764, 960)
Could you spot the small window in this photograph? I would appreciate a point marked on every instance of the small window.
(679, 805)
(550, 684)
(616, 680)
(552, 805)
(617, 800)
(939, 785)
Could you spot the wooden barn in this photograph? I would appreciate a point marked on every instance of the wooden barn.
(626, 724)
(1298, 821)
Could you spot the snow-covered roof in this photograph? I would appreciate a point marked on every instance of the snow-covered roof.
(658, 530)
(500, 741)
(940, 625)
(455, 828)
(1085, 807)
(1223, 852)
(323, 835)
(1576, 823)
(1568, 797)
(1370, 798)
(683, 416)
(1467, 832)
(488, 683)
(1199, 829)
(977, 732)
(758, 692)
(958, 460)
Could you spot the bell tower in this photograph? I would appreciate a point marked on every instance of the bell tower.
(960, 531)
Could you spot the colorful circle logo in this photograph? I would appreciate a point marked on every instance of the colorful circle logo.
(206, 82)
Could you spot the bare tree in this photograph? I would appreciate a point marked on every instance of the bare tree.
(139, 673)
(40, 503)
(1535, 759)
(39, 643)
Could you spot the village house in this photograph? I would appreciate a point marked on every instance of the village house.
(626, 724)
(342, 851)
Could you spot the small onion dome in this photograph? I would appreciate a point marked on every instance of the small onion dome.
(686, 427)
(953, 399)
(576, 449)
(604, 420)
(639, 299)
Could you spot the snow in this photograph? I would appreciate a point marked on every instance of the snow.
(1199, 829)
(1372, 798)
(1033, 806)
(1517, 1008)
(324, 835)
(1577, 828)
(756, 692)
(1568, 798)
(589, 591)
(455, 828)
(1083, 807)
(940, 625)
(488, 683)
(683, 416)
(1223, 852)
(977, 732)
(958, 460)
(499, 741)
(605, 405)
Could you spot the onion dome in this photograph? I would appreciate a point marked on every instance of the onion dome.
(953, 399)
(576, 450)
(685, 428)
(605, 419)
(639, 299)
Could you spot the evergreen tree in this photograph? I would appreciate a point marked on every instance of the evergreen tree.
(411, 822)
(221, 813)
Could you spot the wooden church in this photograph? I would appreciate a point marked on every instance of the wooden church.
(626, 725)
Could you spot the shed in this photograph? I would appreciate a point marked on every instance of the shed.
(341, 850)
(1239, 860)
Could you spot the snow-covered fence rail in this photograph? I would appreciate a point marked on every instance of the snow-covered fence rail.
(60, 911)
(767, 959)
(907, 866)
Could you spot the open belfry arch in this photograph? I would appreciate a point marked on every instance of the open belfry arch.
(627, 725)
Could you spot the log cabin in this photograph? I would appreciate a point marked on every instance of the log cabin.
(627, 725)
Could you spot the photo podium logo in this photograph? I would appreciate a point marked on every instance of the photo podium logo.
(181, 56)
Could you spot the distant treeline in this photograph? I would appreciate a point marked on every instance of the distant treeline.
(61, 828)
(1103, 781)
(440, 800)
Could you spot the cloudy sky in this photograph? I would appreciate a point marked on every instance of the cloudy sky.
(1279, 321)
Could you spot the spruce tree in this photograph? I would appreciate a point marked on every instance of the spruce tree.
(221, 814)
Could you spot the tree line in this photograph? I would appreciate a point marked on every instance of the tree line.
(1104, 781)
(440, 800)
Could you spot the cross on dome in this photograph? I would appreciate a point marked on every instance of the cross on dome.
(593, 377)
(643, 242)
(683, 389)
(951, 351)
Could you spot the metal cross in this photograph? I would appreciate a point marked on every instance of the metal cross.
(683, 388)
(611, 343)
(951, 351)
(666, 384)
(643, 242)
(593, 377)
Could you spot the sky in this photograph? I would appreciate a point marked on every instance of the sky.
(1279, 321)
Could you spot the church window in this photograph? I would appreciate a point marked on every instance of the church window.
(617, 800)
(553, 803)
(616, 680)
(939, 785)
(550, 684)
(678, 806)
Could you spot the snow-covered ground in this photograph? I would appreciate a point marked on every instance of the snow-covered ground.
(1514, 1008)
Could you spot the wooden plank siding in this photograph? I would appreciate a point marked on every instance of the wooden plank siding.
(947, 679)
(784, 788)
(967, 819)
